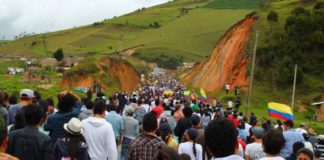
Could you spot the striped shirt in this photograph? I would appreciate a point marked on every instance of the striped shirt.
(320, 147)
(291, 137)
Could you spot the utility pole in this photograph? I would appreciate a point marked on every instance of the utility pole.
(44, 43)
(252, 74)
(294, 89)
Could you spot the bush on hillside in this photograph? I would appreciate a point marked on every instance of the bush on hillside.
(59, 54)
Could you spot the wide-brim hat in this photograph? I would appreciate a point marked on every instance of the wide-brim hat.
(321, 137)
(73, 127)
(311, 131)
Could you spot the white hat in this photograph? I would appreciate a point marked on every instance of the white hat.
(321, 137)
(27, 93)
(74, 126)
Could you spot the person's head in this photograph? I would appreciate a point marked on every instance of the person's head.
(27, 95)
(3, 135)
(303, 125)
(44, 105)
(33, 114)
(66, 101)
(73, 137)
(4, 98)
(112, 107)
(165, 152)
(221, 138)
(257, 132)
(317, 154)
(37, 97)
(306, 136)
(297, 146)
(273, 141)
(305, 154)
(184, 156)
(279, 122)
(187, 112)
(129, 111)
(165, 132)
(99, 107)
(150, 123)
(195, 120)
(13, 100)
(241, 125)
(89, 105)
(177, 107)
(289, 124)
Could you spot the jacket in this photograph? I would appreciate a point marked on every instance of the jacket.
(182, 125)
(85, 114)
(61, 150)
(29, 144)
(100, 138)
(56, 121)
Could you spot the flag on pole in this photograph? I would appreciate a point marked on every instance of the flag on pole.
(281, 111)
(203, 96)
(186, 93)
(193, 95)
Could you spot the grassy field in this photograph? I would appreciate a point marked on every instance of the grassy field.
(233, 4)
(186, 28)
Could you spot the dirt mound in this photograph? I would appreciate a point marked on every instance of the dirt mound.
(111, 73)
(228, 57)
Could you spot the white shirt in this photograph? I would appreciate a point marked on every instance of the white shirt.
(227, 86)
(301, 130)
(231, 157)
(272, 158)
(247, 128)
(188, 149)
(100, 138)
(147, 108)
(230, 104)
(254, 151)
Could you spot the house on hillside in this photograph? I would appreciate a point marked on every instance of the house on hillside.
(15, 70)
(48, 62)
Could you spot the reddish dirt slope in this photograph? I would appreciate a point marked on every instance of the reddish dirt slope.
(232, 62)
(112, 69)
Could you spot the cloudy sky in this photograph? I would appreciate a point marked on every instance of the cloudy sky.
(18, 16)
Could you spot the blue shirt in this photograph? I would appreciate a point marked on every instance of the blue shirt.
(116, 122)
(291, 136)
(56, 121)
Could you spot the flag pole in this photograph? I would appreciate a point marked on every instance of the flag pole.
(252, 74)
(294, 89)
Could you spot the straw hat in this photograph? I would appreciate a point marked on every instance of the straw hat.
(74, 127)
(311, 131)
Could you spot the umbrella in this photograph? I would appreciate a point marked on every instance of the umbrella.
(81, 89)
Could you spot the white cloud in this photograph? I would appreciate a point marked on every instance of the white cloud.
(18, 16)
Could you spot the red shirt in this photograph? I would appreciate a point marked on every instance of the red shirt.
(158, 110)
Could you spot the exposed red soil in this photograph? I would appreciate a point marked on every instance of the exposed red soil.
(232, 64)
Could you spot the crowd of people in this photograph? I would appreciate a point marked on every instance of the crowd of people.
(144, 125)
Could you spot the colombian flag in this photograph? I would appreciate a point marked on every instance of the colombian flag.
(280, 111)
(203, 96)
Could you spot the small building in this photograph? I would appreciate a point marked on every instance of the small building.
(48, 62)
(15, 70)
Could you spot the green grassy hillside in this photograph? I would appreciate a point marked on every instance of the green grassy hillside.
(182, 27)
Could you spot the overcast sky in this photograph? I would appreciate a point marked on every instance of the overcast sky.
(17, 16)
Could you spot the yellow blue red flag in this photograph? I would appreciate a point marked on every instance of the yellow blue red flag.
(280, 111)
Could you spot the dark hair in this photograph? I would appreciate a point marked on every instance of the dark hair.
(165, 135)
(165, 152)
(19, 121)
(3, 97)
(241, 125)
(187, 111)
(3, 130)
(317, 153)
(306, 136)
(99, 106)
(50, 101)
(33, 114)
(13, 99)
(66, 102)
(44, 106)
(89, 104)
(307, 152)
(184, 156)
(149, 122)
(111, 107)
(221, 138)
(289, 123)
(192, 134)
(297, 146)
(37, 97)
(74, 142)
(272, 142)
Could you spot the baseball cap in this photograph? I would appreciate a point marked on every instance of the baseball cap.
(165, 126)
(195, 119)
(258, 132)
(27, 93)
(129, 110)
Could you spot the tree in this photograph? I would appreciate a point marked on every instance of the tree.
(58, 54)
(272, 18)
